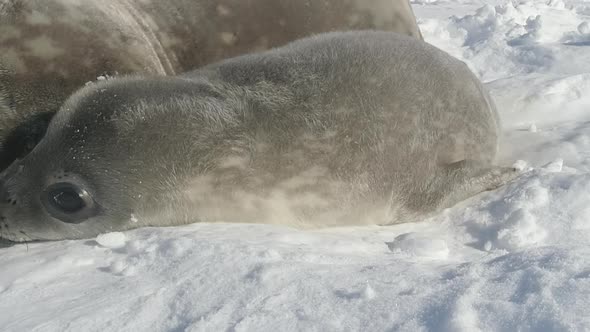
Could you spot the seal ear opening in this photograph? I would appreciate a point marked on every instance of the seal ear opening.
(68, 202)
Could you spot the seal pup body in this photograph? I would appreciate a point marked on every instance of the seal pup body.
(337, 129)
(50, 48)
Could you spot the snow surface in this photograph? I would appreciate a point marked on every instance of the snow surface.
(514, 259)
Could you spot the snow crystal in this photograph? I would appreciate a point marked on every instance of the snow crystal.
(520, 230)
(554, 166)
(533, 128)
(369, 293)
(112, 240)
(520, 165)
(420, 245)
(584, 28)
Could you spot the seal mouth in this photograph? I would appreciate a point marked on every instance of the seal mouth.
(5, 243)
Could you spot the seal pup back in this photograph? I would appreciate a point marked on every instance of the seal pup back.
(50, 48)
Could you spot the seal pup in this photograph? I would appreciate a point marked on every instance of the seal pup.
(50, 48)
(332, 130)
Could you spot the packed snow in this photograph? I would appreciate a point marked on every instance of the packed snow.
(517, 258)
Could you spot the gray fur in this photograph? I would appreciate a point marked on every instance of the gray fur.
(50, 48)
(336, 129)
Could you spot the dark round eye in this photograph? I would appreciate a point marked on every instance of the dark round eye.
(68, 202)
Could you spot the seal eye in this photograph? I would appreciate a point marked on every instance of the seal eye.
(68, 202)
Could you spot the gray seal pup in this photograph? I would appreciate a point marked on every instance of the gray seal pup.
(337, 129)
(50, 48)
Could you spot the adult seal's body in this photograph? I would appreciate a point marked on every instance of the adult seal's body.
(338, 129)
(50, 48)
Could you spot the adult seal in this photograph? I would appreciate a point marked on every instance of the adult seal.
(336, 129)
(50, 48)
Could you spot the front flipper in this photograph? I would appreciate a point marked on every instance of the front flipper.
(467, 178)
(458, 181)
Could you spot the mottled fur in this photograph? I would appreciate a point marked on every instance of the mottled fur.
(338, 129)
(50, 48)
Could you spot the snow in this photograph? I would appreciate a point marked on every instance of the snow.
(517, 258)
(112, 240)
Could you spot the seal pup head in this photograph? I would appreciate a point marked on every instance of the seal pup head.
(116, 152)
(135, 152)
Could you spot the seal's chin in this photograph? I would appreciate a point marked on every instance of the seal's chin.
(5, 243)
(10, 244)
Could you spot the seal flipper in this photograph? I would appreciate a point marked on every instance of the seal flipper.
(466, 178)
(456, 182)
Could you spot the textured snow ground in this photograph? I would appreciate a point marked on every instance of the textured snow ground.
(514, 259)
